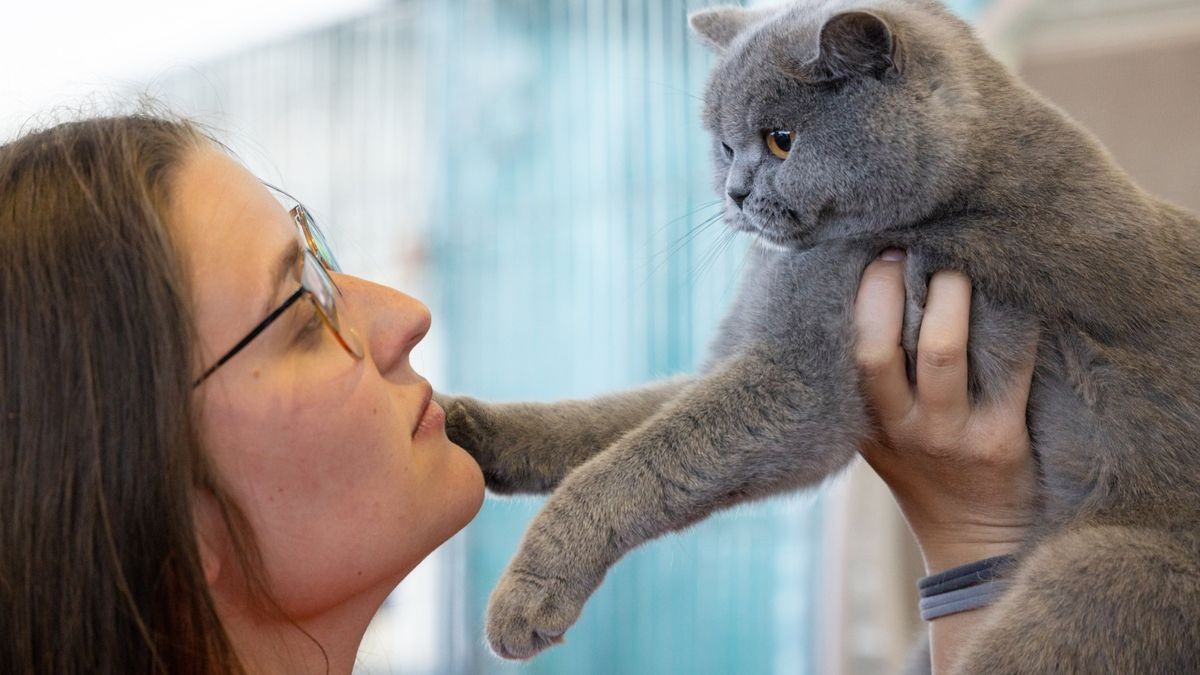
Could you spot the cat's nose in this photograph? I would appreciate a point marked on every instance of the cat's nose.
(738, 195)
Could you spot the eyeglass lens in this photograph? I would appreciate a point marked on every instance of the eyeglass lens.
(316, 239)
(316, 280)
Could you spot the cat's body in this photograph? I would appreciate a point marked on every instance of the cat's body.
(965, 169)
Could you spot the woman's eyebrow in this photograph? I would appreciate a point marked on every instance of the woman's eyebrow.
(287, 261)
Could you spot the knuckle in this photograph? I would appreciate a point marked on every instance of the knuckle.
(941, 444)
(873, 362)
(1001, 452)
(940, 356)
(994, 458)
(937, 438)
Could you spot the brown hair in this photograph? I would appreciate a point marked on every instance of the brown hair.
(99, 450)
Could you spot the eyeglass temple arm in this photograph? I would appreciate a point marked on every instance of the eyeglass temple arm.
(253, 334)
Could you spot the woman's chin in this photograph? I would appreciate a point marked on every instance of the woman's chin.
(477, 484)
(465, 483)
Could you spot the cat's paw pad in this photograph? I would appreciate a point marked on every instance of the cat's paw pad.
(527, 614)
(463, 424)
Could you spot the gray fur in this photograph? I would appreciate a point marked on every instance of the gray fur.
(908, 134)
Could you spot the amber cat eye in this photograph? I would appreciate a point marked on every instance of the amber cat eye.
(779, 142)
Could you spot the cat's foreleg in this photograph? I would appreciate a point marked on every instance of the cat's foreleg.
(529, 447)
(754, 426)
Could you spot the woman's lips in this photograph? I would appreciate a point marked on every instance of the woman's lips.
(433, 418)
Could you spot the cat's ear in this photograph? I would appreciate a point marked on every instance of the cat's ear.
(718, 26)
(858, 43)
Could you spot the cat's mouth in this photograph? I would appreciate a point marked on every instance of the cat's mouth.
(782, 226)
(782, 231)
(789, 240)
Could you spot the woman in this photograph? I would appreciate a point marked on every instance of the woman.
(215, 456)
(146, 507)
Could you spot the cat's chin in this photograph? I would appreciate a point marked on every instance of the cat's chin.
(796, 235)
(768, 245)
(773, 240)
(781, 235)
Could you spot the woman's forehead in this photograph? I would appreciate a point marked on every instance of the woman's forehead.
(215, 197)
(232, 231)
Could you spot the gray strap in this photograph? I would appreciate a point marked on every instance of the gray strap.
(962, 600)
(962, 576)
(964, 588)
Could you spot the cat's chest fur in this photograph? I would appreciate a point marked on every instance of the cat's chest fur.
(803, 303)
(1094, 401)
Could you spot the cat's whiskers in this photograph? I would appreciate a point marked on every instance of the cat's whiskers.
(698, 209)
(713, 255)
(742, 265)
(679, 244)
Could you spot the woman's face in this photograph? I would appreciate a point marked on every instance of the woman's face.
(342, 466)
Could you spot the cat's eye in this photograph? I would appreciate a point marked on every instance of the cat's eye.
(728, 150)
(779, 142)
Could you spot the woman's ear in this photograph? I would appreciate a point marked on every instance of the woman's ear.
(210, 534)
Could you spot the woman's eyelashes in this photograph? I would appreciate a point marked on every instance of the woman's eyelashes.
(310, 333)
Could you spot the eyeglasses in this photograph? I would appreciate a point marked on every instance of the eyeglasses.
(315, 284)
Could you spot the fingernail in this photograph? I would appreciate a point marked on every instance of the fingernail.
(892, 255)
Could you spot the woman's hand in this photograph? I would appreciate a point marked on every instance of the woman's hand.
(964, 477)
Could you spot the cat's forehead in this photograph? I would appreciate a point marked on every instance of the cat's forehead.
(762, 63)
(755, 68)
(792, 32)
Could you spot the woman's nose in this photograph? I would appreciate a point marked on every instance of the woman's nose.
(389, 322)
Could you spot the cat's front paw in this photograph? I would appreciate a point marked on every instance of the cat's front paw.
(528, 613)
(465, 425)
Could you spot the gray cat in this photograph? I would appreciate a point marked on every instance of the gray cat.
(840, 129)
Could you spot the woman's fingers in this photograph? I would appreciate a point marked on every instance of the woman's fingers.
(942, 348)
(878, 321)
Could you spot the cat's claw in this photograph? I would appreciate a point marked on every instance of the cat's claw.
(527, 614)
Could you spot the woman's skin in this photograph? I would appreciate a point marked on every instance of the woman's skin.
(964, 477)
(316, 447)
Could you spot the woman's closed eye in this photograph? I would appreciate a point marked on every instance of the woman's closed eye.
(310, 333)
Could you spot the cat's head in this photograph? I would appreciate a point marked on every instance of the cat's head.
(832, 117)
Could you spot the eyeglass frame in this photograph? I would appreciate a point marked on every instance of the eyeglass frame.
(321, 259)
